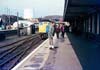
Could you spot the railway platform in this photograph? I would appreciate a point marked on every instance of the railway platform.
(63, 57)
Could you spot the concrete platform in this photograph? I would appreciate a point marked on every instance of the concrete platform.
(36, 59)
(42, 58)
(63, 57)
(88, 52)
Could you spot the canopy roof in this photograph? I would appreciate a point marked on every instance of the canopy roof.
(75, 8)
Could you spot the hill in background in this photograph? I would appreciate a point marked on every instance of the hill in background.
(54, 17)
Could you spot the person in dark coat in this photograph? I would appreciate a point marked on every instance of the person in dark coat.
(57, 29)
(54, 29)
(62, 30)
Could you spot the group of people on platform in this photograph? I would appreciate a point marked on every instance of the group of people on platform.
(57, 29)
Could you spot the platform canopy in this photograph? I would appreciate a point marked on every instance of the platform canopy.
(75, 8)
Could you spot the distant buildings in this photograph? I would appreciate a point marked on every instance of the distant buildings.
(8, 20)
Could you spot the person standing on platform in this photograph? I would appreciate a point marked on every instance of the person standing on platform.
(50, 35)
(57, 29)
(66, 29)
(62, 30)
(54, 29)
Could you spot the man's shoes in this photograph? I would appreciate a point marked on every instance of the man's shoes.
(56, 47)
(51, 47)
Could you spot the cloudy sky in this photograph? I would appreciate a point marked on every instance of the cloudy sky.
(40, 7)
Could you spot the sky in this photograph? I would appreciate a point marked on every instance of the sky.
(40, 8)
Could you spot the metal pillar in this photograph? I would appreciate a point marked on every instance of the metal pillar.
(18, 30)
(98, 23)
(95, 23)
(93, 29)
(90, 24)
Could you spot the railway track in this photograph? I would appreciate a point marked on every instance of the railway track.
(13, 53)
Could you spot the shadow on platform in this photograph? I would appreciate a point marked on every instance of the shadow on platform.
(87, 52)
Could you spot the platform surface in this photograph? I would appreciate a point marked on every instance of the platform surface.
(63, 57)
